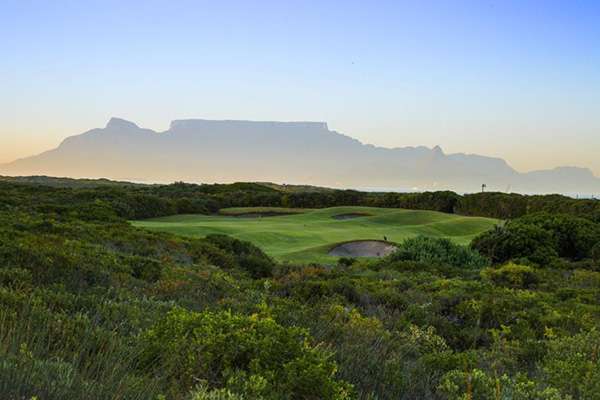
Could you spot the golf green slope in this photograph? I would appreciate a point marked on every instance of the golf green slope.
(308, 235)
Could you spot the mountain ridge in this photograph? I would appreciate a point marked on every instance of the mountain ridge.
(302, 152)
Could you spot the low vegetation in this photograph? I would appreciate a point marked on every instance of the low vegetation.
(92, 307)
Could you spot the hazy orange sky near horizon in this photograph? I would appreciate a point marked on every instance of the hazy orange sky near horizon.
(515, 80)
(31, 140)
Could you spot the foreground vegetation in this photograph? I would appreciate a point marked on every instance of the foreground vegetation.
(308, 236)
(94, 308)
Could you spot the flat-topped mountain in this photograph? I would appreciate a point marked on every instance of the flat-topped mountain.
(286, 152)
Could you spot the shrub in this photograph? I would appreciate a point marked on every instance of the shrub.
(204, 251)
(573, 364)
(50, 356)
(145, 268)
(517, 240)
(15, 278)
(203, 393)
(258, 267)
(575, 237)
(477, 384)
(596, 252)
(249, 257)
(248, 355)
(540, 238)
(346, 261)
(52, 260)
(438, 251)
(233, 245)
(512, 275)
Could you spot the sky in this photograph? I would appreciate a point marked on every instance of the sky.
(514, 79)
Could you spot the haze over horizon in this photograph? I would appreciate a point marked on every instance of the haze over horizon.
(516, 80)
(225, 151)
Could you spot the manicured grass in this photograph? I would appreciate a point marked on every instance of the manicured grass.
(309, 235)
(236, 211)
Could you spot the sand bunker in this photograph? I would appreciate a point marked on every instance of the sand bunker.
(363, 248)
(349, 216)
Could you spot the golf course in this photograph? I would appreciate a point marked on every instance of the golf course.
(312, 235)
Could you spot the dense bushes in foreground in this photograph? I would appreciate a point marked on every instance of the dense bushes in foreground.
(92, 308)
(252, 355)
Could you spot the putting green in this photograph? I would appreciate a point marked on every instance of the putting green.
(308, 235)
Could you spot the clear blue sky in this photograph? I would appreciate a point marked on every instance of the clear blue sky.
(515, 79)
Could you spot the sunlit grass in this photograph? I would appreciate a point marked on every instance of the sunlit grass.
(308, 236)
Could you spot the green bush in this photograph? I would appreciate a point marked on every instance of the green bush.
(438, 251)
(573, 364)
(248, 355)
(512, 275)
(479, 385)
(249, 257)
(145, 268)
(575, 237)
(540, 238)
(54, 356)
(202, 393)
(205, 251)
(15, 278)
(517, 240)
(258, 267)
(596, 252)
(475, 384)
(56, 260)
(235, 246)
(346, 261)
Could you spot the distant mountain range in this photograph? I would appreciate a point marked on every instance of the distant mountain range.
(283, 152)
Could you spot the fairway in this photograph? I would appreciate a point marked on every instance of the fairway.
(308, 235)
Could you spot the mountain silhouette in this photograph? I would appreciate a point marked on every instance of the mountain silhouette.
(207, 151)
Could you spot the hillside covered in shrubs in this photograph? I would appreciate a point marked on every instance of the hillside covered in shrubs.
(93, 308)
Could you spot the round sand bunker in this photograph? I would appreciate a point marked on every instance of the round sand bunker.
(363, 248)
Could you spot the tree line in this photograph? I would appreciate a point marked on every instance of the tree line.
(130, 201)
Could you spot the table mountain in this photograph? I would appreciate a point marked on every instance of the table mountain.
(198, 150)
